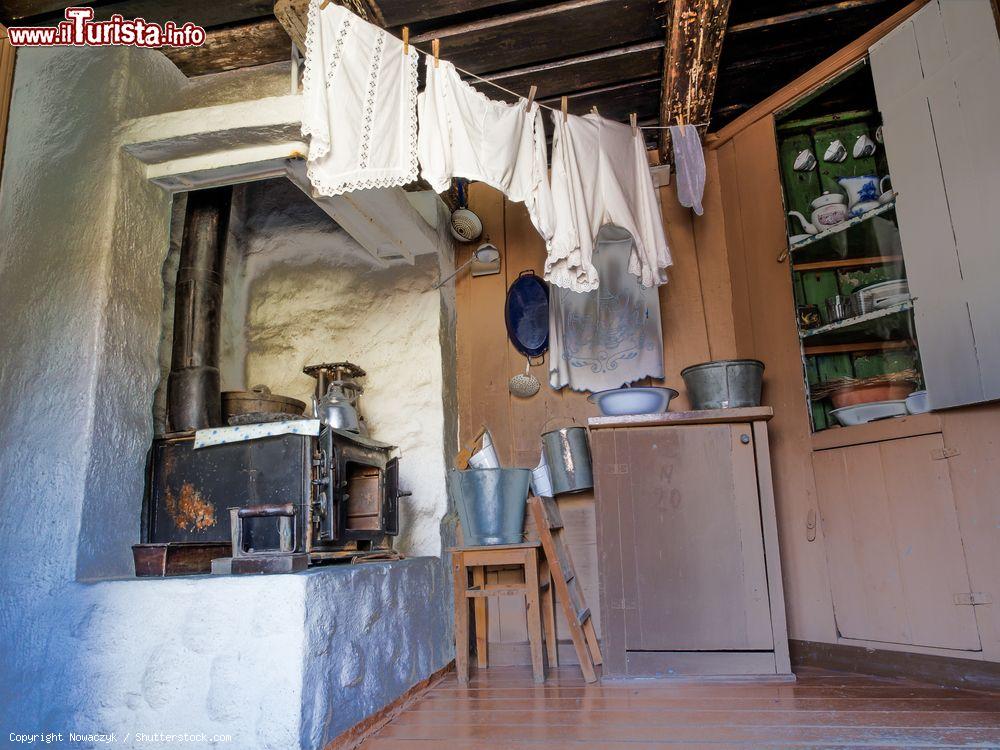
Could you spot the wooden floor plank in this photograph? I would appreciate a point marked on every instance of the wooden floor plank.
(502, 709)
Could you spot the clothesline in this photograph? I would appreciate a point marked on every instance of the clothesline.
(544, 106)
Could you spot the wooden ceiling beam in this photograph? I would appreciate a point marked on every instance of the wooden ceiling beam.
(801, 15)
(235, 47)
(695, 30)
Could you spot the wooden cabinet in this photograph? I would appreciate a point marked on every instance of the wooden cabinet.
(687, 545)
(897, 565)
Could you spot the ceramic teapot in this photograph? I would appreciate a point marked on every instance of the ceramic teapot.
(828, 210)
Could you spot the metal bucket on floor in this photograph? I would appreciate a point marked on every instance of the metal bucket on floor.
(724, 383)
(567, 453)
(490, 504)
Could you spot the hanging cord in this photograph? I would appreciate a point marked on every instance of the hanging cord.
(544, 106)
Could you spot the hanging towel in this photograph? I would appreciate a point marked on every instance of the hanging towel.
(359, 104)
(689, 164)
(464, 133)
(600, 175)
(612, 335)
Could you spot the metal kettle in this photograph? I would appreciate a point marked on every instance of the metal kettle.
(336, 410)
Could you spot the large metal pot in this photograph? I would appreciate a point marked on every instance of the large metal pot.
(724, 383)
(490, 504)
(258, 400)
(567, 453)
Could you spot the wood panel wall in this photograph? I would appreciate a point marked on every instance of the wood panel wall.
(697, 322)
(6, 87)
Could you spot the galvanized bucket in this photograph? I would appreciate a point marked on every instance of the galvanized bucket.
(567, 454)
(491, 504)
(724, 384)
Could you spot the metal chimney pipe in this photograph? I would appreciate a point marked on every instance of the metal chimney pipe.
(194, 392)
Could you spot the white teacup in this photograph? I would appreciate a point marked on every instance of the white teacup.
(864, 146)
(805, 161)
(835, 152)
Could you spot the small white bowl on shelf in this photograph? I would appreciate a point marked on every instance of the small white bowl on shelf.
(849, 416)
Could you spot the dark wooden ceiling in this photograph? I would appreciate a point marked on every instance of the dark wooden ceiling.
(601, 53)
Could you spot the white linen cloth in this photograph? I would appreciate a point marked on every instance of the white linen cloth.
(464, 133)
(689, 164)
(612, 335)
(359, 104)
(241, 433)
(600, 175)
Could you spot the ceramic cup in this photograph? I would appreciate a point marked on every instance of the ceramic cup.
(835, 152)
(888, 194)
(863, 146)
(805, 161)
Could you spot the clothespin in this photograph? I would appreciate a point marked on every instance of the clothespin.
(436, 47)
(531, 97)
(680, 122)
(322, 5)
(594, 110)
(564, 106)
(633, 120)
(406, 39)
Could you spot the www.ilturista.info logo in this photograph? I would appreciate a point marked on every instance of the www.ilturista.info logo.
(80, 30)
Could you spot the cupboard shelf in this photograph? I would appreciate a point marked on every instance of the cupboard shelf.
(831, 265)
(843, 226)
(857, 320)
(851, 348)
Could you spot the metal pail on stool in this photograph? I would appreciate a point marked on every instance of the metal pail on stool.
(490, 504)
(567, 452)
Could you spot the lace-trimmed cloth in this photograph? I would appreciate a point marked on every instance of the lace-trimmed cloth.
(360, 95)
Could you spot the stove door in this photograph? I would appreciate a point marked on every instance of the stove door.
(390, 498)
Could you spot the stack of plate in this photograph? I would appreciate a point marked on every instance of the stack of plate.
(879, 296)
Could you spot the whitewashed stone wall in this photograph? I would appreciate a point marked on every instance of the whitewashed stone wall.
(271, 661)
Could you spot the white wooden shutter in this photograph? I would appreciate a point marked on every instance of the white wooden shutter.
(937, 78)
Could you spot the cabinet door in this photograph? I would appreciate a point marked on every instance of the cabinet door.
(692, 552)
(893, 544)
(937, 79)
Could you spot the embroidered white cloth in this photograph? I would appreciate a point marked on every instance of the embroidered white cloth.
(689, 163)
(242, 433)
(359, 104)
(464, 133)
(610, 336)
(600, 175)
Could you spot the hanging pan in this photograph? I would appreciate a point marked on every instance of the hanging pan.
(526, 313)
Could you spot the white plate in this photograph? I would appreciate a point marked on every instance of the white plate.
(862, 413)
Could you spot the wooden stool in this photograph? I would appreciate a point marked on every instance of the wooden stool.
(536, 588)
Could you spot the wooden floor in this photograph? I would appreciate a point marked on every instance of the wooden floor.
(502, 709)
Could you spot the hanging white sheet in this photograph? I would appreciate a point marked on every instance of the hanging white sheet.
(689, 163)
(600, 175)
(464, 133)
(610, 336)
(359, 104)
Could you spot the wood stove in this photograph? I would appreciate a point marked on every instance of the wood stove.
(343, 486)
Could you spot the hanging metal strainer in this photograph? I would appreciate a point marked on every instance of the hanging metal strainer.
(524, 385)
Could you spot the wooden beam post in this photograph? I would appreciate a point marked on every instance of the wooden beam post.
(695, 29)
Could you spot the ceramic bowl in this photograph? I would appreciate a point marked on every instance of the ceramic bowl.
(862, 413)
(644, 400)
(865, 394)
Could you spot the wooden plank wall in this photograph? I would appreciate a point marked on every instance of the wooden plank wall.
(6, 87)
(697, 326)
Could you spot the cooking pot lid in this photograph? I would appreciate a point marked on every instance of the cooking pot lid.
(527, 314)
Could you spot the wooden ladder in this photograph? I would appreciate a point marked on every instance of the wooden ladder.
(581, 626)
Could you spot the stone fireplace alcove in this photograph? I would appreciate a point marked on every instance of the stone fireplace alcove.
(270, 661)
